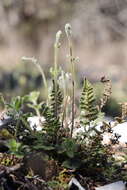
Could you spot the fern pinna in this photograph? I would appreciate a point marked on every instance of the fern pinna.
(88, 108)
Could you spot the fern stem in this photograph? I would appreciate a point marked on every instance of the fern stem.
(73, 80)
(55, 75)
(73, 104)
(56, 52)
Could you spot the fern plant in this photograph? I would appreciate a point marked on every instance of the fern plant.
(56, 100)
(89, 111)
(52, 113)
(84, 154)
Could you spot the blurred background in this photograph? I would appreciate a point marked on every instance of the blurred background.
(28, 28)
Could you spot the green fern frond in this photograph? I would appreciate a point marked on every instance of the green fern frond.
(56, 100)
(52, 113)
(88, 108)
(51, 124)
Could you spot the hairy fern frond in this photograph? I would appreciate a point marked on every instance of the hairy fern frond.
(51, 125)
(56, 99)
(52, 113)
(88, 108)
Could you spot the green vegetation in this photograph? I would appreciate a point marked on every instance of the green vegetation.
(83, 154)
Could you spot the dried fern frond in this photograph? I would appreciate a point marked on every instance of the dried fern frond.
(89, 111)
(107, 91)
(124, 110)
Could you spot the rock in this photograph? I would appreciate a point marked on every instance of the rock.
(113, 186)
(120, 129)
(74, 183)
(5, 121)
(41, 165)
(36, 122)
(119, 185)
